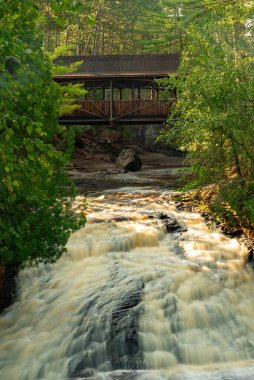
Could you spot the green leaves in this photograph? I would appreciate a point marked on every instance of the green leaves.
(97, 27)
(213, 114)
(35, 194)
(29, 129)
(91, 20)
(8, 134)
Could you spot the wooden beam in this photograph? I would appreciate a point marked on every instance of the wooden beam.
(111, 101)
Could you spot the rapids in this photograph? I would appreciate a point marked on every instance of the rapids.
(131, 301)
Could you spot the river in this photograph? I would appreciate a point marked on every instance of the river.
(143, 292)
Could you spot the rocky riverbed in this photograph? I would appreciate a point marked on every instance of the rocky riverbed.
(94, 161)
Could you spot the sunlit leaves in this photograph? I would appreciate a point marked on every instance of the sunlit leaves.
(35, 217)
(102, 27)
(213, 115)
(91, 20)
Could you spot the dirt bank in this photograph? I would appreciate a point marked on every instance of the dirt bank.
(93, 164)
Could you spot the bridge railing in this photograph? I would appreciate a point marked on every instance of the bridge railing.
(118, 109)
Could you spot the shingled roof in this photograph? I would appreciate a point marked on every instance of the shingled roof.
(95, 66)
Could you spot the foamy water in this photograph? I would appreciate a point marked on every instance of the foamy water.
(131, 301)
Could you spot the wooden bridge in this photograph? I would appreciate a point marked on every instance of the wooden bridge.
(121, 88)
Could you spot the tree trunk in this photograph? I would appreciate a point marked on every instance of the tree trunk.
(236, 157)
(48, 37)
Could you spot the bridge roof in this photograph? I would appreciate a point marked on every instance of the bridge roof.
(112, 66)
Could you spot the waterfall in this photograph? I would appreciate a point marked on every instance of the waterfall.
(130, 300)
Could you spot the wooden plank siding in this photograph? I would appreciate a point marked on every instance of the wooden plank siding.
(122, 108)
(116, 66)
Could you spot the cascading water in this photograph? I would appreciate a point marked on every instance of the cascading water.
(131, 301)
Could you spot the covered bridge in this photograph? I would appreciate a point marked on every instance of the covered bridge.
(121, 88)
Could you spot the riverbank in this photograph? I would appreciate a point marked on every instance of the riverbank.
(203, 201)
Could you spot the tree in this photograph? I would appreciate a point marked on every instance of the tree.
(95, 27)
(212, 119)
(35, 195)
(168, 24)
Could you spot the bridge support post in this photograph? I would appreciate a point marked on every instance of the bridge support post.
(111, 101)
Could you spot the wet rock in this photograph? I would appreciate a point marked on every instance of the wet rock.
(88, 372)
(123, 346)
(207, 218)
(171, 223)
(163, 216)
(250, 258)
(7, 285)
(129, 160)
(180, 206)
(110, 340)
(76, 367)
(179, 251)
(230, 231)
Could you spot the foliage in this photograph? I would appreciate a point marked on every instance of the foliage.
(96, 27)
(35, 194)
(212, 118)
(70, 93)
(240, 199)
(169, 24)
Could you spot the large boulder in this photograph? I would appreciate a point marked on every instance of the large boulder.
(128, 159)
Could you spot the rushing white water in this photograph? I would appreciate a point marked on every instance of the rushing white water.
(131, 301)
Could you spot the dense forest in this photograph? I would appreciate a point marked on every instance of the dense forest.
(211, 121)
(120, 27)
